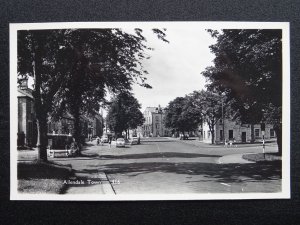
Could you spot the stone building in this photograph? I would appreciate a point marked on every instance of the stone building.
(91, 125)
(64, 125)
(154, 122)
(27, 131)
(237, 131)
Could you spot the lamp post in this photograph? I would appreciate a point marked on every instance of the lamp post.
(223, 123)
(263, 128)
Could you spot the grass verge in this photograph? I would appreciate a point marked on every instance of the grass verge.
(259, 157)
(36, 177)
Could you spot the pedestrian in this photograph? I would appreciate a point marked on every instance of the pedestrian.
(230, 143)
(226, 143)
(98, 140)
(109, 141)
(234, 142)
(74, 147)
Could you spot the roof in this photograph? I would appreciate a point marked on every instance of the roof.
(154, 109)
(25, 92)
(151, 109)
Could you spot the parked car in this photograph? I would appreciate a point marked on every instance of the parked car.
(120, 142)
(104, 139)
(134, 141)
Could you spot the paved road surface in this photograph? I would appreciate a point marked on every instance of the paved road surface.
(162, 165)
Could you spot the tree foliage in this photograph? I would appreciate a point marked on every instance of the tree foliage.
(210, 106)
(181, 115)
(124, 113)
(73, 68)
(248, 69)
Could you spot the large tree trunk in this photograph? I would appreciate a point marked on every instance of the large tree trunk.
(278, 129)
(212, 136)
(77, 127)
(252, 133)
(42, 140)
(40, 108)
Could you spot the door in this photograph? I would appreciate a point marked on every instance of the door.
(243, 136)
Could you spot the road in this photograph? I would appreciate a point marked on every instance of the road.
(161, 165)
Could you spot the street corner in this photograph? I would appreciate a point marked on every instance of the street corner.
(234, 158)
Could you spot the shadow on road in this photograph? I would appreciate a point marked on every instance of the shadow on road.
(157, 155)
(93, 156)
(220, 172)
(156, 140)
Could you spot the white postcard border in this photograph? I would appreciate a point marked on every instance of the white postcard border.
(284, 194)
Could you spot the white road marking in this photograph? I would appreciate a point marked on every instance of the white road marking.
(159, 150)
(226, 184)
(219, 160)
(157, 147)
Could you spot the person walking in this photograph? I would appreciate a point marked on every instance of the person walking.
(226, 143)
(98, 140)
(234, 142)
(230, 143)
(109, 141)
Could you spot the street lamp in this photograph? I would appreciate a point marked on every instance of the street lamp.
(262, 127)
(223, 123)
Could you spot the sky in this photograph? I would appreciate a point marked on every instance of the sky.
(175, 67)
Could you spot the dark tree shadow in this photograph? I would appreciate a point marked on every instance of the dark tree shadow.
(157, 155)
(220, 172)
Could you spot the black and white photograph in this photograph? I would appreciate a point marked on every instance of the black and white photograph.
(149, 111)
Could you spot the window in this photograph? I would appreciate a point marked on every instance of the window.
(272, 133)
(230, 134)
(256, 132)
(221, 135)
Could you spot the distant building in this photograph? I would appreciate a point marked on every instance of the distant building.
(64, 125)
(235, 131)
(154, 122)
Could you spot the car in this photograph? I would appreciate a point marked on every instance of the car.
(120, 142)
(134, 141)
(104, 139)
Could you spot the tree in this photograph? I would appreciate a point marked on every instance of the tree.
(181, 115)
(40, 57)
(210, 105)
(124, 113)
(248, 69)
(72, 68)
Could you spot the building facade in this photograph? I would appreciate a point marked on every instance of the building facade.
(27, 130)
(237, 131)
(154, 123)
(91, 126)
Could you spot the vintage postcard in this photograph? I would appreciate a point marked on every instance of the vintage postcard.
(150, 111)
